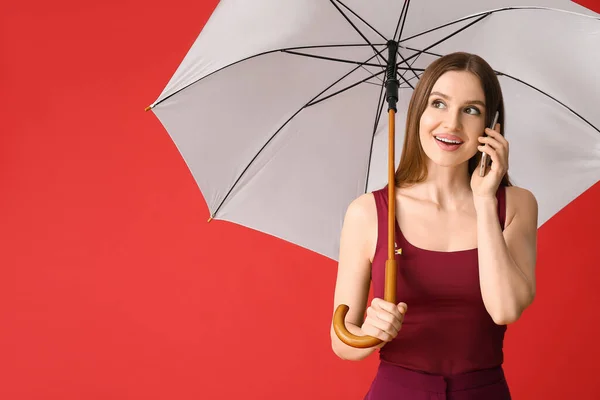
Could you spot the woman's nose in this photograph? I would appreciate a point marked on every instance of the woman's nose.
(453, 121)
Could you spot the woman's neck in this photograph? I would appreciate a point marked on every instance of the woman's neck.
(449, 188)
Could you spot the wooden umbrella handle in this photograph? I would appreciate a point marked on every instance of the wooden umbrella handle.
(391, 267)
(339, 317)
(339, 326)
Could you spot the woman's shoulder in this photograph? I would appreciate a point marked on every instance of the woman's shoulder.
(360, 225)
(520, 195)
(362, 208)
(520, 201)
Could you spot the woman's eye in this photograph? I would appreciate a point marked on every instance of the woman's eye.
(473, 110)
(438, 104)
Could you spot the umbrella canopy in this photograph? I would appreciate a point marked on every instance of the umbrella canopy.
(277, 107)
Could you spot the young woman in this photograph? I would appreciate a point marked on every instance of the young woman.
(468, 246)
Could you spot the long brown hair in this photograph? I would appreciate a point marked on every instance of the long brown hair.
(413, 167)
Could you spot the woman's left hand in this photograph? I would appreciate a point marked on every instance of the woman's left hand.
(496, 147)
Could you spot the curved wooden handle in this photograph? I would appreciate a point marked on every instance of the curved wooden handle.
(360, 342)
(339, 317)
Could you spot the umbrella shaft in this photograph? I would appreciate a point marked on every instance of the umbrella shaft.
(391, 185)
(391, 268)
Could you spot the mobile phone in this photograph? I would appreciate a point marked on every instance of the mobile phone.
(484, 155)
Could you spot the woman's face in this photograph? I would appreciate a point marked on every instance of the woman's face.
(453, 119)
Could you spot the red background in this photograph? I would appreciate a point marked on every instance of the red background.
(112, 284)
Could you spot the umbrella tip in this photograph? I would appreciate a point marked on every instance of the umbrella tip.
(148, 108)
(398, 252)
(210, 219)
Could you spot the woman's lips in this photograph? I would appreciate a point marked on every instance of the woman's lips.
(448, 146)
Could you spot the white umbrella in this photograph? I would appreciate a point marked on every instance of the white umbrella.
(276, 107)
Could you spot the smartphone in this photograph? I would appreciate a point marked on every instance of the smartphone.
(484, 155)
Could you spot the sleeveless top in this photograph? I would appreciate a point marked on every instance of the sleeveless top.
(447, 330)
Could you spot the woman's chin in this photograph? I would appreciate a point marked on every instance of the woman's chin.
(447, 161)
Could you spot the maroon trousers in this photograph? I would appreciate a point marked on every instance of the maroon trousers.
(396, 383)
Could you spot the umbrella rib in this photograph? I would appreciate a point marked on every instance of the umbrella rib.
(327, 46)
(363, 21)
(399, 20)
(448, 24)
(374, 83)
(213, 214)
(258, 55)
(447, 37)
(414, 77)
(490, 12)
(314, 102)
(358, 30)
(402, 19)
(500, 73)
(332, 59)
(410, 66)
(551, 97)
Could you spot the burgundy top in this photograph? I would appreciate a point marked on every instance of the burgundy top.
(447, 329)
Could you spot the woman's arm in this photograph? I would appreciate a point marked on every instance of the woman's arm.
(507, 259)
(354, 273)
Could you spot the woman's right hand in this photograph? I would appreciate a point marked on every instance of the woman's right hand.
(384, 320)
